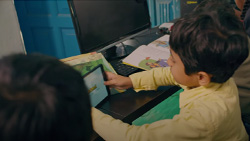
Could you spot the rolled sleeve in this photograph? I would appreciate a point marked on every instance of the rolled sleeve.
(152, 79)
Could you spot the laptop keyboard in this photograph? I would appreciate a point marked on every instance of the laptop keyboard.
(123, 69)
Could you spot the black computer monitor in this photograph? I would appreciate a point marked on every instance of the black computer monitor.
(101, 24)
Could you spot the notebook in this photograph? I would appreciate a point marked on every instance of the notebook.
(94, 80)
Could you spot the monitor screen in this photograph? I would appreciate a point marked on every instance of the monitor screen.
(101, 24)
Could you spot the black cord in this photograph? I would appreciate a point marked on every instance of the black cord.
(124, 47)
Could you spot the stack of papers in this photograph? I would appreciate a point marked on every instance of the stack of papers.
(150, 56)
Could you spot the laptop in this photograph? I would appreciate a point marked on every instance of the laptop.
(98, 92)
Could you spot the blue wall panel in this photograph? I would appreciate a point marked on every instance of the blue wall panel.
(69, 40)
(43, 40)
(47, 26)
(41, 23)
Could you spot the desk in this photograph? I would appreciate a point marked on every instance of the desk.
(130, 105)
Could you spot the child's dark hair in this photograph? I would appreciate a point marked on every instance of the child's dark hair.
(42, 99)
(212, 41)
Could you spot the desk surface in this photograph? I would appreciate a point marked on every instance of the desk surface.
(130, 105)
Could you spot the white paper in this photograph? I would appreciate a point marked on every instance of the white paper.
(150, 56)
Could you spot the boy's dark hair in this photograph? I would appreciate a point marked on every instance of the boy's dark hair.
(42, 99)
(219, 5)
(212, 41)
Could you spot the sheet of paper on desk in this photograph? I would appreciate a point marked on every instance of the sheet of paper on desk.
(166, 25)
(161, 43)
(86, 62)
(150, 56)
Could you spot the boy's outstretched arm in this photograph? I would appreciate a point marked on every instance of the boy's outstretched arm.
(118, 81)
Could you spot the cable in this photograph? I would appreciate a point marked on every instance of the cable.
(124, 47)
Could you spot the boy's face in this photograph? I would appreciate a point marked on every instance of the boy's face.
(178, 71)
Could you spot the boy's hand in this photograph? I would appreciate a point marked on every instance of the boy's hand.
(118, 81)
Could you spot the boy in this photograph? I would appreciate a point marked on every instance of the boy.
(204, 57)
(42, 99)
(242, 74)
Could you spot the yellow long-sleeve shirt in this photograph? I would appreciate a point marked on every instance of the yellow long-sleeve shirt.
(206, 113)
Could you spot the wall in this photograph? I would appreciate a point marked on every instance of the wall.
(10, 37)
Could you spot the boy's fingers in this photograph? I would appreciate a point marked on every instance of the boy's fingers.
(109, 75)
(109, 83)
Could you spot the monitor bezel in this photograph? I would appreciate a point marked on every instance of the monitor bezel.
(111, 43)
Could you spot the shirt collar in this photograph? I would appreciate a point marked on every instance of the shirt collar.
(189, 95)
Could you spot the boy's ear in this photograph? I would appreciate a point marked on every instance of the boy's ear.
(204, 78)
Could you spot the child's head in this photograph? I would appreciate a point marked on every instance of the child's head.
(42, 99)
(211, 42)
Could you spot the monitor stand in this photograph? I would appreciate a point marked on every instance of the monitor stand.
(118, 52)
(109, 53)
